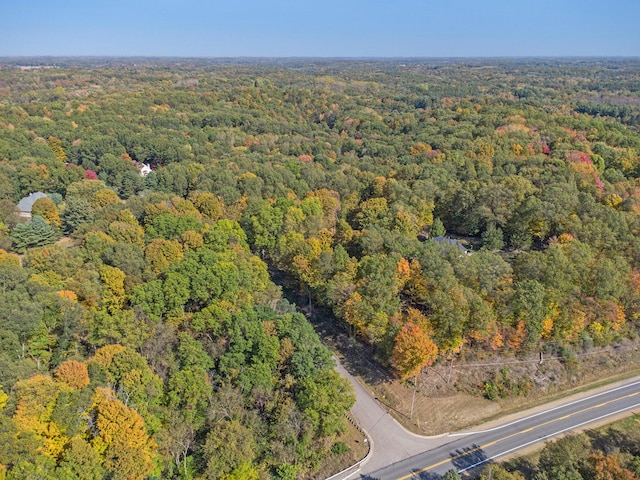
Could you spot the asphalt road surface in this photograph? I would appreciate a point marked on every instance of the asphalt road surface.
(467, 451)
(390, 441)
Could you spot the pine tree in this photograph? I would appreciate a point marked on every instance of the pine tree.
(38, 233)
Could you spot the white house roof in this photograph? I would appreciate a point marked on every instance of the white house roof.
(145, 170)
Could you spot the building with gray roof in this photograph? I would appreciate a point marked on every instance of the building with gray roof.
(26, 204)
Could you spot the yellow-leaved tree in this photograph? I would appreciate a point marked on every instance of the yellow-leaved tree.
(161, 253)
(36, 401)
(113, 287)
(121, 438)
(48, 210)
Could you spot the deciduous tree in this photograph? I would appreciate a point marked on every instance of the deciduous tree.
(121, 438)
(413, 349)
(73, 373)
(48, 210)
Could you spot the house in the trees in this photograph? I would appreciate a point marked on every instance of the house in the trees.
(145, 170)
(451, 242)
(26, 204)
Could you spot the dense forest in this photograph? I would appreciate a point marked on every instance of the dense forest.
(431, 206)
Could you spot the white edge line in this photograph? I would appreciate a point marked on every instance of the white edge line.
(351, 474)
(547, 436)
(460, 434)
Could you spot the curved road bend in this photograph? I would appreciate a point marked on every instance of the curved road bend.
(391, 442)
(467, 450)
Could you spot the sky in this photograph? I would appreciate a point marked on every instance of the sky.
(327, 28)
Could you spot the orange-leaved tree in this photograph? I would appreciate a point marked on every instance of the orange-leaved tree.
(413, 347)
(73, 373)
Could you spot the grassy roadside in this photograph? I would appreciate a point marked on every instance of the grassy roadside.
(437, 407)
(353, 451)
(559, 396)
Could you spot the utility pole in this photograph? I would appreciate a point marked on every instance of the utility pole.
(415, 387)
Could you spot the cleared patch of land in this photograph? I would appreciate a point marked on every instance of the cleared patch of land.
(452, 397)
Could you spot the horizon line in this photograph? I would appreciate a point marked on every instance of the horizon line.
(316, 57)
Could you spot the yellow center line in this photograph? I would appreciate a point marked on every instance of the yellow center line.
(489, 444)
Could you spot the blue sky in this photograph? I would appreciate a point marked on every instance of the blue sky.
(327, 28)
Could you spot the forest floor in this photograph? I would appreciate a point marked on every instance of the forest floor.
(67, 242)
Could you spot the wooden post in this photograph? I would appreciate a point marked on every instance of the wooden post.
(413, 399)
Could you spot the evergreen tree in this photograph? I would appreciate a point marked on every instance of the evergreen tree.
(437, 229)
(38, 233)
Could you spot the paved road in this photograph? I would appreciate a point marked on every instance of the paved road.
(467, 450)
(391, 442)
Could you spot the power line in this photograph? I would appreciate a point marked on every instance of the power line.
(560, 357)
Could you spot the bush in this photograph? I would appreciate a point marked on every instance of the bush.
(339, 448)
